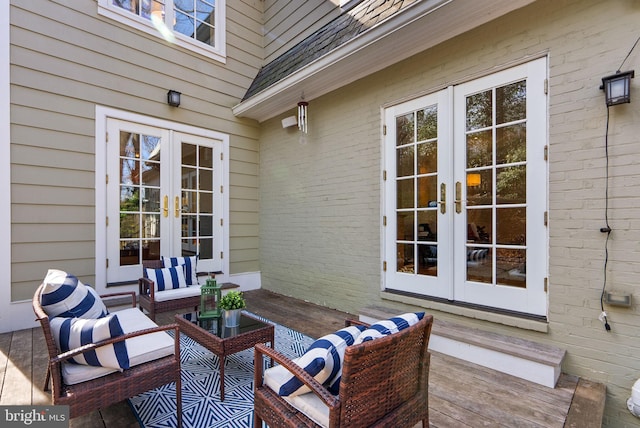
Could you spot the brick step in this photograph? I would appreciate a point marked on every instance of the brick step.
(526, 359)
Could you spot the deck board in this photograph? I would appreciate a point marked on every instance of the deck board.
(461, 394)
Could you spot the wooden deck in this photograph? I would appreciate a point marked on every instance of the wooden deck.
(461, 394)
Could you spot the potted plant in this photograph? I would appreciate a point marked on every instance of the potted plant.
(233, 302)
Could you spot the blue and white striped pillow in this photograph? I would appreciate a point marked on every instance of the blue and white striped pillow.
(167, 278)
(386, 327)
(65, 295)
(478, 254)
(189, 265)
(70, 333)
(349, 334)
(322, 360)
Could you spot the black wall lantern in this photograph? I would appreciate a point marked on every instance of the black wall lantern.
(617, 88)
(173, 98)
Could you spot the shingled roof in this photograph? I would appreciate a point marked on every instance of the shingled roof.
(334, 34)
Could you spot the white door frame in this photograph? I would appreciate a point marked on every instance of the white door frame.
(102, 115)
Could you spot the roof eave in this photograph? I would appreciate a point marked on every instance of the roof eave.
(389, 42)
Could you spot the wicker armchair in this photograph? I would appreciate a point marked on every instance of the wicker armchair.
(384, 384)
(103, 391)
(147, 295)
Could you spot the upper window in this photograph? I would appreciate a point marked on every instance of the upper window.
(198, 25)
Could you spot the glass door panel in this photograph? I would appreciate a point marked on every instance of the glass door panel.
(200, 215)
(139, 197)
(137, 214)
(503, 134)
(418, 223)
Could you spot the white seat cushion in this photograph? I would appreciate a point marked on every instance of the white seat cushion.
(141, 349)
(312, 407)
(177, 293)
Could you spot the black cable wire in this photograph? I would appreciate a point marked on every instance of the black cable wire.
(606, 229)
(625, 58)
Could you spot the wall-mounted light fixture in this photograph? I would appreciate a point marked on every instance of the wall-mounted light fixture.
(617, 88)
(173, 98)
(302, 116)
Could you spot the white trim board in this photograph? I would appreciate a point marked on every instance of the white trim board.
(13, 316)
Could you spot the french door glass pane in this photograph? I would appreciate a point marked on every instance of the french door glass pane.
(511, 226)
(479, 110)
(427, 191)
(404, 161)
(427, 157)
(511, 144)
(417, 191)
(511, 267)
(197, 200)
(139, 184)
(479, 149)
(511, 185)
(496, 185)
(404, 129)
(405, 222)
(511, 102)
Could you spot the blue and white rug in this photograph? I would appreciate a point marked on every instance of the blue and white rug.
(201, 405)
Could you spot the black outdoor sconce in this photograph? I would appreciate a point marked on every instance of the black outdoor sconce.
(617, 88)
(173, 98)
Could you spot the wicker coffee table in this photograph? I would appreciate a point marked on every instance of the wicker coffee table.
(224, 341)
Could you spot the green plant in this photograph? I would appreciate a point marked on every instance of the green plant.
(233, 300)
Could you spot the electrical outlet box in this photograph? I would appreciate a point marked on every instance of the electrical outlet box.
(617, 299)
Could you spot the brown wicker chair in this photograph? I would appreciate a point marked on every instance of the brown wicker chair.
(104, 391)
(384, 384)
(147, 298)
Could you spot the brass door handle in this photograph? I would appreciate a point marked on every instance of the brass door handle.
(177, 207)
(443, 198)
(458, 200)
(165, 206)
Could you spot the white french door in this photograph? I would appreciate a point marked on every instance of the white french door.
(163, 198)
(418, 222)
(466, 192)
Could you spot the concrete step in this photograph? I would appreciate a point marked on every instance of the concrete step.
(526, 359)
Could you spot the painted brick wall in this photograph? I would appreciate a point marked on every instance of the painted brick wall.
(320, 202)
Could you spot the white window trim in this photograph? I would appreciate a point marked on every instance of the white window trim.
(218, 53)
(12, 316)
(104, 113)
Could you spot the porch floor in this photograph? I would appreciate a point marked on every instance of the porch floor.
(461, 394)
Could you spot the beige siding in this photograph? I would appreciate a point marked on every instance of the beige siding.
(320, 203)
(65, 60)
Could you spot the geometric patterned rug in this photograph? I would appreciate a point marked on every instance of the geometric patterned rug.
(201, 405)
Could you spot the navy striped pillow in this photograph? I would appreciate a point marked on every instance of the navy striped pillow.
(189, 265)
(322, 360)
(70, 333)
(390, 326)
(166, 278)
(65, 295)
